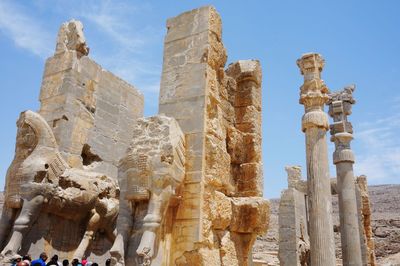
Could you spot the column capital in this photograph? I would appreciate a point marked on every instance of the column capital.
(314, 92)
(340, 102)
(311, 65)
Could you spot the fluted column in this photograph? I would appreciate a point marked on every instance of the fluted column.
(313, 95)
(340, 104)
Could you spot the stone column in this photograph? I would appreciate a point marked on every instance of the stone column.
(313, 95)
(340, 104)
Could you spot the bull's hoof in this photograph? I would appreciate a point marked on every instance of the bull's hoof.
(116, 258)
(7, 257)
(145, 256)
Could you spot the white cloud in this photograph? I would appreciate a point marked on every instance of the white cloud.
(25, 30)
(124, 36)
(111, 17)
(380, 156)
(129, 57)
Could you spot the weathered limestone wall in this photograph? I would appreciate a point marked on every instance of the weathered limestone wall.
(294, 243)
(183, 96)
(364, 215)
(92, 114)
(221, 210)
(91, 110)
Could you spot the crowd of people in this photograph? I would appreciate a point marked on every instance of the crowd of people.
(42, 261)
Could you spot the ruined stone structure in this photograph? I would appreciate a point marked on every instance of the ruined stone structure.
(190, 177)
(221, 209)
(305, 224)
(365, 227)
(341, 130)
(294, 241)
(150, 176)
(313, 95)
(67, 156)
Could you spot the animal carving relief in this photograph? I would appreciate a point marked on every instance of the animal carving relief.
(40, 180)
(152, 171)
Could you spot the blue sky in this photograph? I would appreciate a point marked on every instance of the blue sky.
(360, 41)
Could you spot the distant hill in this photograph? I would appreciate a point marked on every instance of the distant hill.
(385, 204)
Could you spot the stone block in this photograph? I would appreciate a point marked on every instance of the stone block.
(193, 22)
(221, 210)
(60, 62)
(249, 215)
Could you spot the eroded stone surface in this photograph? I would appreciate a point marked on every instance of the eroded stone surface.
(50, 185)
(313, 95)
(90, 113)
(191, 180)
(222, 124)
(150, 174)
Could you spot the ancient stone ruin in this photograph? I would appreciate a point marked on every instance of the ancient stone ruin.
(92, 177)
(305, 215)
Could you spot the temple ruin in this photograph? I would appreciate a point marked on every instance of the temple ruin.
(305, 215)
(93, 177)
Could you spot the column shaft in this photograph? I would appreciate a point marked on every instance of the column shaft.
(349, 227)
(313, 95)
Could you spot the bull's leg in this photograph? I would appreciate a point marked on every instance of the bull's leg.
(157, 209)
(92, 227)
(124, 228)
(29, 214)
(6, 222)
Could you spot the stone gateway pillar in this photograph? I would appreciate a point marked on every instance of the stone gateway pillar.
(313, 95)
(340, 104)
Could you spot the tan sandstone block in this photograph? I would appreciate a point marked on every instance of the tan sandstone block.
(250, 215)
(250, 180)
(228, 250)
(60, 62)
(220, 210)
(193, 22)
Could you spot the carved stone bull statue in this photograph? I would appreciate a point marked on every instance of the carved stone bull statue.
(149, 176)
(40, 180)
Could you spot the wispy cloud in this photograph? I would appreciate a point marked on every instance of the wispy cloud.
(111, 17)
(25, 30)
(380, 156)
(121, 36)
(131, 38)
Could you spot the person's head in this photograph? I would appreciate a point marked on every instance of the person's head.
(95, 264)
(54, 258)
(65, 262)
(27, 257)
(43, 256)
(108, 262)
(75, 262)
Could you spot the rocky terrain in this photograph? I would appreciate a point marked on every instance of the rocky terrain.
(385, 204)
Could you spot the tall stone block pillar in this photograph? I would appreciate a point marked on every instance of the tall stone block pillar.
(313, 95)
(294, 243)
(188, 54)
(340, 104)
(220, 210)
(364, 215)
